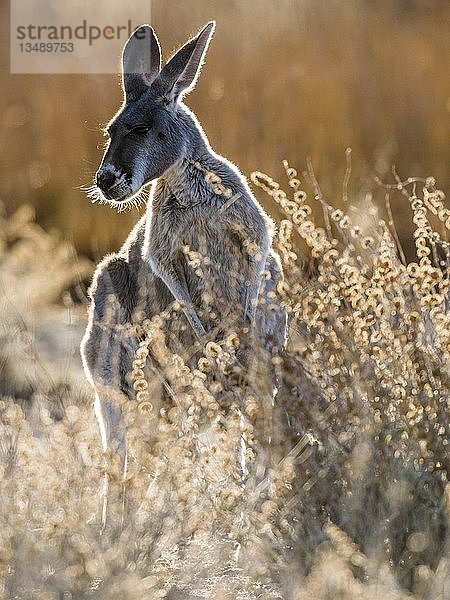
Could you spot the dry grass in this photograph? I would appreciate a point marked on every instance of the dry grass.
(287, 78)
(349, 500)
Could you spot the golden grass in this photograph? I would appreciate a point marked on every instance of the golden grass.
(349, 499)
(304, 78)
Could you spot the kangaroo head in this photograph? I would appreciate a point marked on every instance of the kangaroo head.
(149, 134)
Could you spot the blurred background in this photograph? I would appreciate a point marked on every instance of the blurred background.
(287, 79)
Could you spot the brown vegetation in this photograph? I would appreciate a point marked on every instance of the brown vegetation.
(349, 499)
(297, 79)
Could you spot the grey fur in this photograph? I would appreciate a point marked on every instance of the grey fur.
(150, 271)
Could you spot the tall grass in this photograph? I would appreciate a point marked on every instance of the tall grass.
(347, 498)
(303, 78)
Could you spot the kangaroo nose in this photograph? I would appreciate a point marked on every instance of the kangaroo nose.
(105, 179)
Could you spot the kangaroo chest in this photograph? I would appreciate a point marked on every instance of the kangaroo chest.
(205, 251)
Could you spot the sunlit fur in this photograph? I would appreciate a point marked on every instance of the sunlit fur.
(184, 211)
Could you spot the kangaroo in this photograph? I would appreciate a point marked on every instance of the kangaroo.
(198, 200)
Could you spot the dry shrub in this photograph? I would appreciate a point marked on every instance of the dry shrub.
(346, 495)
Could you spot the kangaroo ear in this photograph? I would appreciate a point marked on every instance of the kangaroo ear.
(141, 61)
(181, 72)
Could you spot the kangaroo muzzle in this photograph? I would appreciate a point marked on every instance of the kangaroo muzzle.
(112, 182)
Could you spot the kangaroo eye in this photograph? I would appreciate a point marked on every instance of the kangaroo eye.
(140, 129)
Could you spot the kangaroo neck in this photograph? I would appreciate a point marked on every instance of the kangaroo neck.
(185, 182)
